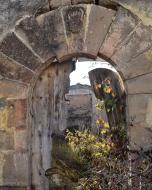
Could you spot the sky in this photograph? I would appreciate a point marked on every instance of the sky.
(80, 75)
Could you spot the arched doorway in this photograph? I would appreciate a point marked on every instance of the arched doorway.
(48, 115)
(67, 32)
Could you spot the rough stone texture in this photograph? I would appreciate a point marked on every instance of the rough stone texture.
(58, 3)
(15, 49)
(131, 58)
(12, 70)
(140, 137)
(122, 26)
(13, 89)
(80, 31)
(98, 24)
(29, 30)
(20, 107)
(148, 120)
(15, 169)
(11, 11)
(137, 106)
(75, 20)
(13, 145)
(6, 140)
(142, 9)
(53, 27)
(139, 84)
(20, 139)
(139, 110)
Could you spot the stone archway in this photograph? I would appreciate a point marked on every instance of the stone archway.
(70, 31)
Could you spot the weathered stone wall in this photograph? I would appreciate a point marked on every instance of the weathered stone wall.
(13, 143)
(34, 33)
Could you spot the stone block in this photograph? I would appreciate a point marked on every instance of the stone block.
(20, 107)
(58, 3)
(135, 45)
(15, 49)
(20, 139)
(52, 24)
(75, 20)
(2, 161)
(140, 84)
(6, 140)
(97, 26)
(134, 53)
(15, 170)
(142, 9)
(11, 115)
(137, 105)
(21, 161)
(9, 172)
(34, 36)
(14, 90)
(149, 115)
(11, 11)
(119, 30)
(3, 118)
(12, 70)
(140, 137)
(137, 66)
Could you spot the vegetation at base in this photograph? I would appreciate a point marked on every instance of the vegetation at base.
(103, 161)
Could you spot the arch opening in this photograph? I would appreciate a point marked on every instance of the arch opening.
(52, 116)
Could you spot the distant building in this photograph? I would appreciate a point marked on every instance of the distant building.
(81, 108)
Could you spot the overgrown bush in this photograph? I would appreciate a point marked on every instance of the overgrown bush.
(111, 164)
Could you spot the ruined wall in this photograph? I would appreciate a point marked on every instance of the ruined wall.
(79, 107)
(82, 111)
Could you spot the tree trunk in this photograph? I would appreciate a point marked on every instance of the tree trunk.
(98, 76)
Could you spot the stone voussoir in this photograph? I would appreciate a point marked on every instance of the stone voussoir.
(123, 24)
(75, 21)
(11, 70)
(14, 48)
(29, 30)
(76, 29)
(100, 19)
(85, 25)
(134, 57)
(53, 27)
